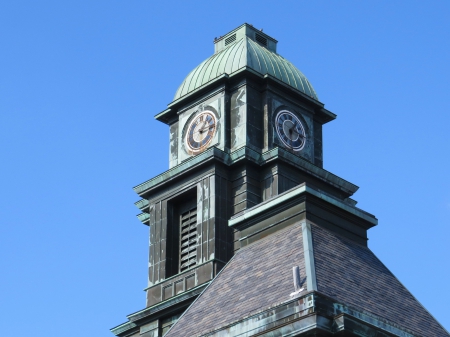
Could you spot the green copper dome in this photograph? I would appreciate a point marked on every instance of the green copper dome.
(245, 47)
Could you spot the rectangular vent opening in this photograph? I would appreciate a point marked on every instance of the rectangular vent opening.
(230, 39)
(188, 239)
(261, 40)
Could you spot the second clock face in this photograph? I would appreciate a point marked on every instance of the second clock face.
(200, 132)
(290, 130)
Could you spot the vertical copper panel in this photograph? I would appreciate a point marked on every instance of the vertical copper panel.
(162, 266)
(152, 223)
(318, 147)
(150, 275)
(173, 156)
(204, 273)
(153, 295)
(211, 248)
(163, 216)
(152, 251)
(163, 249)
(211, 217)
(168, 291)
(190, 281)
(200, 198)
(156, 272)
(179, 287)
(204, 224)
(275, 185)
(268, 130)
(157, 251)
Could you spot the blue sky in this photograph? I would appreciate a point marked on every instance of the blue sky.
(80, 82)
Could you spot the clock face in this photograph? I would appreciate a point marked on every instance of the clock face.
(290, 130)
(200, 132)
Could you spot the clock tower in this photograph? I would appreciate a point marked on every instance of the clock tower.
(249, 234)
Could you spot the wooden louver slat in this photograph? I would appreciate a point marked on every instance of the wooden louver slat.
(188, 239)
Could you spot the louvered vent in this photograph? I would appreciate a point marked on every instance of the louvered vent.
(188, 239)
(230, 39)
(262, 40)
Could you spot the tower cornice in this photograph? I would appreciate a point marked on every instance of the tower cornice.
(243, 154)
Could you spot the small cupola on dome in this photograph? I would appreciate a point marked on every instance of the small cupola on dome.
(245, 47)
(248, 31)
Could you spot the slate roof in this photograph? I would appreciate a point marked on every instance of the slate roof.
(353, 275)
(258, 277)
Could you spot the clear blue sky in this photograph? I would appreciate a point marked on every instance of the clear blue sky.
(80, 82)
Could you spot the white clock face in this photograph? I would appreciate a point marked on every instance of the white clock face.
(200, 132)
(290, 130)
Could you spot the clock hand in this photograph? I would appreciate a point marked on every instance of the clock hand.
(294, 130)
(204, 129)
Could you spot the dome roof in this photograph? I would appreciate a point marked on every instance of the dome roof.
(241, 53)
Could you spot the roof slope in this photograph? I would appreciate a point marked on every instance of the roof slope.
(251, 282)
(259, 277)
(245, 53)
(353, 275)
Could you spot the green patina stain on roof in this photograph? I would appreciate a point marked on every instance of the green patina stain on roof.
(245, 52)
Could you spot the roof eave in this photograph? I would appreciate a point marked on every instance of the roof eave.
(168, 116)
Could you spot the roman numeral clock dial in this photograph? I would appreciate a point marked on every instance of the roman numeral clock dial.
(200, 132)
(290, 130)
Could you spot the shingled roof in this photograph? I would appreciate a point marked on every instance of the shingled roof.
(259, 277)
(352, 274)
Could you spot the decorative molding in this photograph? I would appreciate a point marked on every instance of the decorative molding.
(246, 153)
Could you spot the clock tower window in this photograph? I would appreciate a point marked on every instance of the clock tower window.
(181, 253)
(188, 239)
